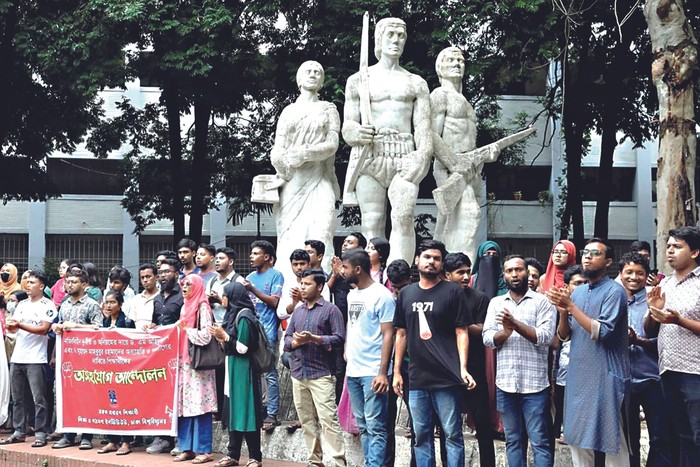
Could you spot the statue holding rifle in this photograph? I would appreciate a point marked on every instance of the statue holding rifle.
(458, 165)
(387, 123)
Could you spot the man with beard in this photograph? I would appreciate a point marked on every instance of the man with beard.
(431, 321)
(167, 304)
(594, 317)
(339, 288)
(458, 270)
(166, 310)
(520, 326)
(78, 311)
(369, 342)
(186, 251)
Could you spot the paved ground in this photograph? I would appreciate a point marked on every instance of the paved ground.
(23, 455)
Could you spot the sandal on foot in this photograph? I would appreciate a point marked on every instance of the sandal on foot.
(123, 451)
(226, 461)
(253, 463)
(203, 458)
(183, 456)
(12, 439)
(39, 443)
(270, 423)
(109, 447)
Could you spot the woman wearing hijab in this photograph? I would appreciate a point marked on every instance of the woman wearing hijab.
(121, 444)
(8, 282)
(488, 278)
(562, 258)
(196, 388)
(487, 270)
(243, 404)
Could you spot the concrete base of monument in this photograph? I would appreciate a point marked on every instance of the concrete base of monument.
(290, 447)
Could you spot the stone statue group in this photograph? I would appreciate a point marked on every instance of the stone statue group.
(395, 126)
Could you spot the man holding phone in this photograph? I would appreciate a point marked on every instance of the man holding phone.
(315, 329)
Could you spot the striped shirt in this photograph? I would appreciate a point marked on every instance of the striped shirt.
(521, 366)
(312, 361)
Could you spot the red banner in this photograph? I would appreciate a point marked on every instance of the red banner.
(117, 381)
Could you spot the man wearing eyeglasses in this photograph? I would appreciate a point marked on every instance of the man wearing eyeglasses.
(594, 318)
(166, 310)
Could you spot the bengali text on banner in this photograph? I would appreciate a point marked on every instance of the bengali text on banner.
(117, 381)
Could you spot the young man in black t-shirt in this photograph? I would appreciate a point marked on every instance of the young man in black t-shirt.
(431, 321)
(457, 268)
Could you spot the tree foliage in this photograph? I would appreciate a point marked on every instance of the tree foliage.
(56, 57)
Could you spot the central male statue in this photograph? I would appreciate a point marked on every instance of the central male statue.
(454, 122)
(399, 135)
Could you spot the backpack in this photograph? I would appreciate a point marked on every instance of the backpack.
(262, 358)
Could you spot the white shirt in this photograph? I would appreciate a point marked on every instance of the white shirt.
(29, 347)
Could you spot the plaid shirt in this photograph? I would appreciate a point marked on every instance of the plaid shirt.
(521, 366)
(312, 361)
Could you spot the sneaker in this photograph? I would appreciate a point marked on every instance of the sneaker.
(158, 445)
(175, 451)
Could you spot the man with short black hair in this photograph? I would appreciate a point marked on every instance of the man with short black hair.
(535, 270)
(264, 286)
(186, 250)
(431, 322)
(291, 293)
(31, 321)
(314, 330)
(644, 358)
(368, 354)
(457, 267)
(594, 317)
(316, 249)
(520, 326)
(166, 310)
(675, 316)
(399, 274)
(78, 311)
(204, 259)
(163, 255)
(141, 307)
(223, 263)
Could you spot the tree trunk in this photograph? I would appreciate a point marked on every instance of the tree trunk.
(574, 120)
(675, 58)
(172, 108)
(612, 92)
(200, 174)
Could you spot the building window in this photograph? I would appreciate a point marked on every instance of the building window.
(104, 251)
(86, 176)
(504, 181)
(622, 185)
(14, 249)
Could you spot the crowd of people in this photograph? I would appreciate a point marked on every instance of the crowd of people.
(564, 354)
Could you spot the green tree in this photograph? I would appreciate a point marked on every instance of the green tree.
(56, 57)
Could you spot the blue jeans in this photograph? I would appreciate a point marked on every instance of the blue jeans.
(446, 403)
(370, 412)
(273, 385)
(534, 410)
(195, 433)
(682, 398)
